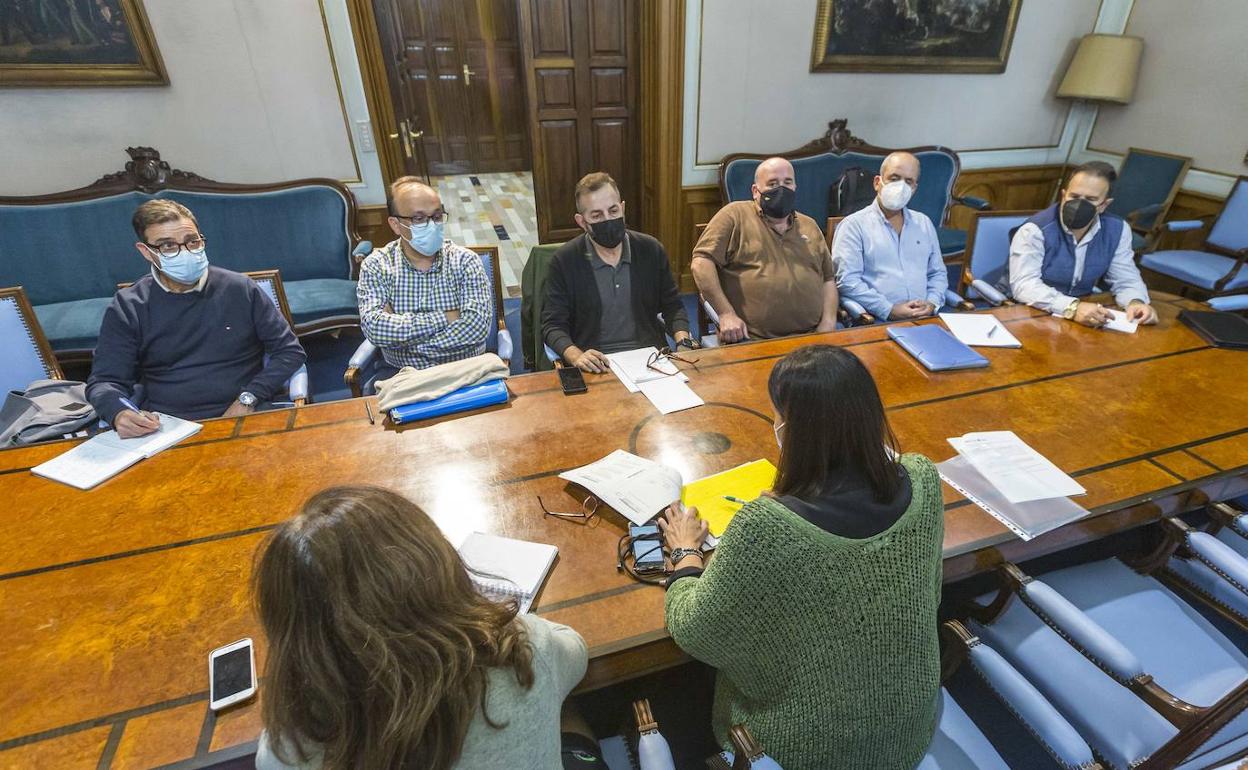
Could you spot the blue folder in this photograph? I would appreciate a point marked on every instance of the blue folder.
(935, 347)
(470, 397)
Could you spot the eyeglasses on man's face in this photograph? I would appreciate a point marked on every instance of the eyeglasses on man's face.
(420, 218)
(171, 248)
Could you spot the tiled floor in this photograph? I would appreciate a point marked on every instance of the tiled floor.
(493, 210)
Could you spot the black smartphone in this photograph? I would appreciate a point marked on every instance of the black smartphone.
(647, 548)
(571, 380)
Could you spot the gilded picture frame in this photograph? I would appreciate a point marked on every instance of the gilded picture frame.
(55, 43)
(963, 36)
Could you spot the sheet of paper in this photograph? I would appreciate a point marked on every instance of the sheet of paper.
(1027, 520)
(636, 487)
(670, 395)
(171, 431)
(1019, 472)
(980, 329)
(1119, 322)
(630, 366)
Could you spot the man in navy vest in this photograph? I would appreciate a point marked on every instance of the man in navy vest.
(1073, 247)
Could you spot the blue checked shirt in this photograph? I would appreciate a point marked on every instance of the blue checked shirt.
(417, 332)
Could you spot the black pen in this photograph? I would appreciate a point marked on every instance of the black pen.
(369, 411)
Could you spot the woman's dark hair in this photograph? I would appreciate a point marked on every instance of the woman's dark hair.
(379, 644)
(834, 423)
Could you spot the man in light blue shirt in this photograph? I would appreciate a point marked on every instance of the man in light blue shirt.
(887, 256)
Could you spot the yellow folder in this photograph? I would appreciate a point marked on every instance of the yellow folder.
(745, 482)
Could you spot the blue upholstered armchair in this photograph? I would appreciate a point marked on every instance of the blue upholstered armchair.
(1146, 679)
(1216, 268)
(1146, 186)
(85, 245)
(25, 351)
(361, 371)
(819, 164)
(988, 256)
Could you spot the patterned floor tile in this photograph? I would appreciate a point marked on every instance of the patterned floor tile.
(487, 201)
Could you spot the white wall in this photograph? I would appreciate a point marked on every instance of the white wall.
(1192, 93)
(252, 98)
(749, 88)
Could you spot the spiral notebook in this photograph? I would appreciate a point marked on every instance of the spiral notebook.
(503, 568)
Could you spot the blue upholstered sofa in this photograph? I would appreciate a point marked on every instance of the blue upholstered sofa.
(70, 250)
(819, 164)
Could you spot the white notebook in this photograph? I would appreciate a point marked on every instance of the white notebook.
(503, 568)
(108, 454)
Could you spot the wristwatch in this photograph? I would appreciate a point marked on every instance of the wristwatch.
(1071, 309)
(679, 553)
(247, 399)
(688, 342)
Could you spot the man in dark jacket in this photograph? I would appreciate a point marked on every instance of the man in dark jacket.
(608, 286)
(201, 340)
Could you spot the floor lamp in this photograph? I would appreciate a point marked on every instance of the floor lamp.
(1103, 69)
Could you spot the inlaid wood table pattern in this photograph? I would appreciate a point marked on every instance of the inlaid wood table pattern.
(112, 598)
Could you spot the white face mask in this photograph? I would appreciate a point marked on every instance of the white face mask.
(895, 195)
(776, 430)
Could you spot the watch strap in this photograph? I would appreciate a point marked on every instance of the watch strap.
(677, 554)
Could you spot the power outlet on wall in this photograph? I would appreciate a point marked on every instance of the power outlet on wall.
(365, 129)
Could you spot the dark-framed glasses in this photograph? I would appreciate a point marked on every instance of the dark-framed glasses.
(665, 353)
(589, 508)
(195, 243)
(419, 219)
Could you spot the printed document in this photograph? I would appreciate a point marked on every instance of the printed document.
(980, 329)
(1019, 472)
(635, 487)
(670, 394)
(630, 366)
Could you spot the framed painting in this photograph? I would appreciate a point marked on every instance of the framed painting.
(913, 35)
(77, 43)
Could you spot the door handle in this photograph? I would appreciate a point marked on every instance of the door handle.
(468, 75)
(404, 135)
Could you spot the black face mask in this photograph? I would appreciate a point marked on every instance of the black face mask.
(777, 202)
(1078, 213)
(608, 233)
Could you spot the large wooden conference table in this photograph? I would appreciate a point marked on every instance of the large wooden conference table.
(111, 599)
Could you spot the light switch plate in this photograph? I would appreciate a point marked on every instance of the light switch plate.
(365, 130)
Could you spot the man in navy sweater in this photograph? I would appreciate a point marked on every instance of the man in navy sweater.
(194, 337)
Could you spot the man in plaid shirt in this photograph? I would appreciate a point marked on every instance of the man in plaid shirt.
(423, 299)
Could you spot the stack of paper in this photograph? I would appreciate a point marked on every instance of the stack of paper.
(503, 568)
(108, 454)
(980, 329)
(665, 388)
(1013, 482)
(636, 487)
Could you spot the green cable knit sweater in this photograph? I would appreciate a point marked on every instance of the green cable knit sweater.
(826, 646)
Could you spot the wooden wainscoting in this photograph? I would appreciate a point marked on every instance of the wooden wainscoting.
(1017, 188)
(371, 222)
(697, 206)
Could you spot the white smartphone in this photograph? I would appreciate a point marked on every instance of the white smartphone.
(231, 674)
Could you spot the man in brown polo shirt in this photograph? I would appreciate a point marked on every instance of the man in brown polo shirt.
(765, 267)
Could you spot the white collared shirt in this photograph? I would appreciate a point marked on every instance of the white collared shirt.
(1027, 261)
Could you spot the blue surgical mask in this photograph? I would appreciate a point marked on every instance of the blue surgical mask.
(185, 268)
(426, 238)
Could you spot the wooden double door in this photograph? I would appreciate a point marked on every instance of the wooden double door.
(454, 69)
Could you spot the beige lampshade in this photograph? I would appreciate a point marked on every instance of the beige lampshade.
(1103, 69)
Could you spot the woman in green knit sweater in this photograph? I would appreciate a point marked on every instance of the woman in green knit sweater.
(819, 606)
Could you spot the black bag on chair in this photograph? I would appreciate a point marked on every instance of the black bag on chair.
(853, 191)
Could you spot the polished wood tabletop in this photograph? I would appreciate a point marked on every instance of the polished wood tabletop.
(112, 598)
